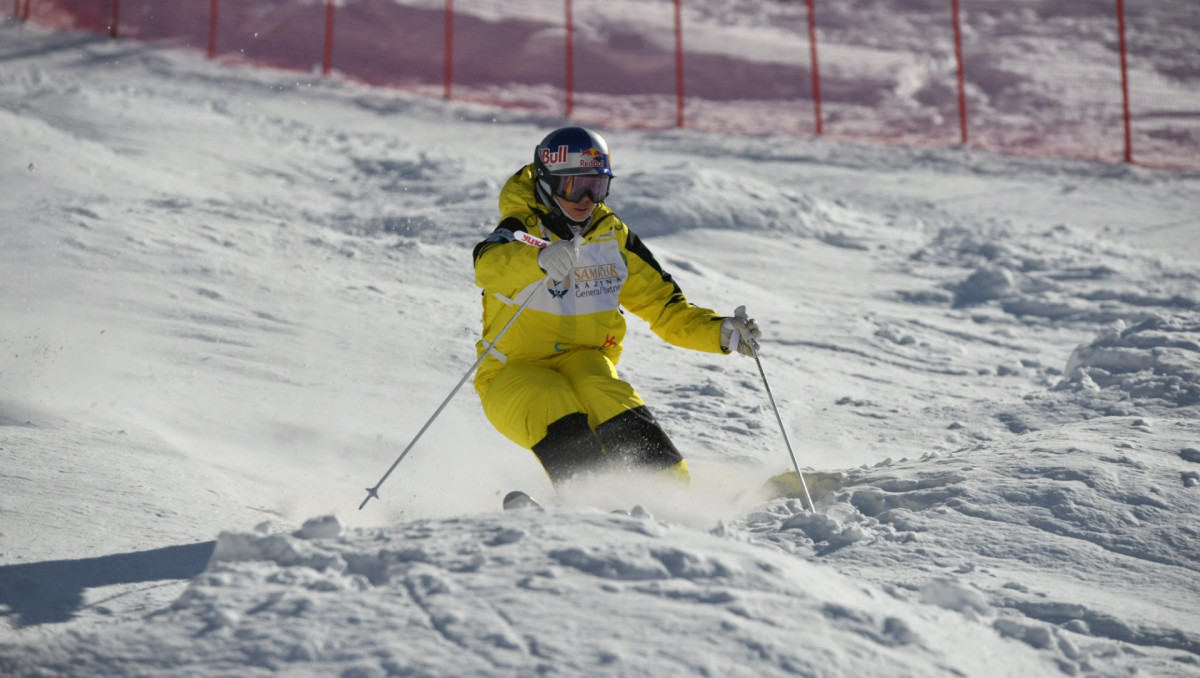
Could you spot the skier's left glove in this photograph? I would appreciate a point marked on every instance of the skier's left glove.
(740, 332)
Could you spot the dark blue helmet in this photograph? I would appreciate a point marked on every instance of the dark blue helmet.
(572, 150)
(572, 162)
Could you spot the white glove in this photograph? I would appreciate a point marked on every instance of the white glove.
(740, 332)
(558, 258)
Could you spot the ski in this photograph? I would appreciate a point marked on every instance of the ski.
(519, 500)
(788, 485)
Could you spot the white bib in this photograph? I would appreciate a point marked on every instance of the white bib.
(594, 286)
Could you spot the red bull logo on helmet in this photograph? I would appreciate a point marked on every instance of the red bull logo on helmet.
(563, 159)
(592, 157)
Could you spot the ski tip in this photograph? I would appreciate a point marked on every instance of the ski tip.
(518, 500)
(814, 484)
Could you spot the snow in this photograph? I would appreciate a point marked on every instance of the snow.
(230, 298)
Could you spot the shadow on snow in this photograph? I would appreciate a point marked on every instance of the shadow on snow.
(53, 591)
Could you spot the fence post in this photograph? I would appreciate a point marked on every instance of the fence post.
(958, 56)
(327, 59)
(816, 71)
(25, 11)
(116, 18)
(679, 64)
(448, 57)
(1124, 82)
(570, 60)
(213, 9)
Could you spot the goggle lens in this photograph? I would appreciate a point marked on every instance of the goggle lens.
(573, 187)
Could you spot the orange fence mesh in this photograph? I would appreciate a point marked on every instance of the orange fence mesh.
(1041, 76)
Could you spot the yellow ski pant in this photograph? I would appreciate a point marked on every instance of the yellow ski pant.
(542, 406)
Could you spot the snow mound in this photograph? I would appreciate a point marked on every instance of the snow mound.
(1046, 531)
(522, 594)
(1154, 362)
(1145, 358)
(1058, 275)
(673, 200)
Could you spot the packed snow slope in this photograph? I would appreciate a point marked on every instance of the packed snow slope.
(230, 298)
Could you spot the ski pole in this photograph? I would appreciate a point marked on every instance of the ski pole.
(373, 492)
(782, 428)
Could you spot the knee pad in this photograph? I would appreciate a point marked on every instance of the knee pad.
(634, 440)
(570, 448)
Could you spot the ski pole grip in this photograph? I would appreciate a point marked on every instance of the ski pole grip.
(530, 239)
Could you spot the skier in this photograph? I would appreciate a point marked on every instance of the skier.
(550, 384)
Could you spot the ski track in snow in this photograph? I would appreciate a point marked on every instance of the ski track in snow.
(230, 297)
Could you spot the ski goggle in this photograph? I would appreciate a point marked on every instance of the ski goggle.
(573, 187)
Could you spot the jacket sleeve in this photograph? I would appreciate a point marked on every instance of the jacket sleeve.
(503, 264)
(652, 295)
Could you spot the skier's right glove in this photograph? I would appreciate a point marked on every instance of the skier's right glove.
(740, 332)
(558, 258)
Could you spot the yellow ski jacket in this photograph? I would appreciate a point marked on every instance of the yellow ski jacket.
(615, 270)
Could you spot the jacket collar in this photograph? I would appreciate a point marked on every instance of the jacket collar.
(518, 199)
